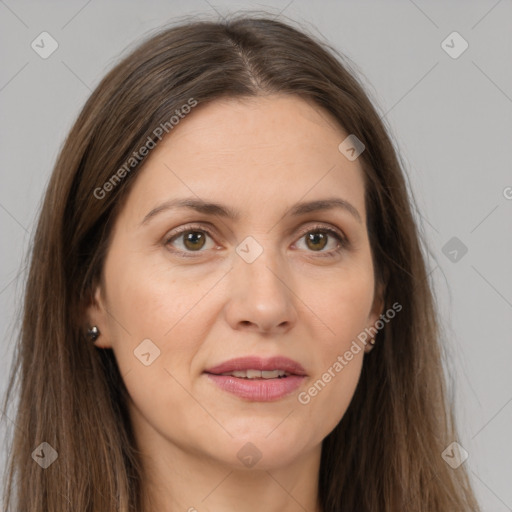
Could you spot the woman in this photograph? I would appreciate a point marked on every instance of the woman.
(227, 306)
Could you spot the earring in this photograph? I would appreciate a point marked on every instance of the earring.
(371, 346)
(93, 333)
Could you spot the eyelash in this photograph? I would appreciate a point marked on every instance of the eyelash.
(342, 241)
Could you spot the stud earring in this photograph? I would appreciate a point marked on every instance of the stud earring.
(93, 333)
(371, 346)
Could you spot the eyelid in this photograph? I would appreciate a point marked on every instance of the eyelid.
(323, 227)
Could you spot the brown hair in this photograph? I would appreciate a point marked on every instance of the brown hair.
(385, 454)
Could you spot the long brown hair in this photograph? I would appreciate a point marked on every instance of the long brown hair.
(385, 454)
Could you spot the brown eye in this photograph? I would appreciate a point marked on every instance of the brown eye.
(189, 240)
(194, 240)
(316, 240)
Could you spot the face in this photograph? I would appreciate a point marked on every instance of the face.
(185, 289)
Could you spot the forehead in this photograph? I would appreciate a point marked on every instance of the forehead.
(249, 126)
(252, 151)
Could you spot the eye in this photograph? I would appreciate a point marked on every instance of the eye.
(318, 237)
(194, 238)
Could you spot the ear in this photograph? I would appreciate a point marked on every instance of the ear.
(96, 315)
(376, 311)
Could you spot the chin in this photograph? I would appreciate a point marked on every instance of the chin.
(261, 451)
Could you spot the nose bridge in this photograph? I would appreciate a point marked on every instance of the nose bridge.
(263, 290)
(259, 265)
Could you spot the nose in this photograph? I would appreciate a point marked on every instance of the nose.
(261, 297)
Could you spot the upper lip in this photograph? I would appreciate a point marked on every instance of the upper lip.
(258, 363)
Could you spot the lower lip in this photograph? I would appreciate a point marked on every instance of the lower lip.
(258, 390)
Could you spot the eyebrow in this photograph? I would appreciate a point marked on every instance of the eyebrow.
(211, 208)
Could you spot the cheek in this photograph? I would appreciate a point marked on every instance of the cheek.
(343, 305)
(160, 324)
(153, 311)
(151, 296)
(331, 388)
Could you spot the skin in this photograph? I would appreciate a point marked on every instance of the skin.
(258, 156)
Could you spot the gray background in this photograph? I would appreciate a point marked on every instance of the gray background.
(451, 120)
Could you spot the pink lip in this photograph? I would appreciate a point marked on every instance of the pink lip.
(258, 363)
(258, 390)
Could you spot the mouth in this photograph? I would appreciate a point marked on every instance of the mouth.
(257, 374)
(259, 380)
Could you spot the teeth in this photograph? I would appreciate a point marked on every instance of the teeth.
(272, 374)
(257, 374)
